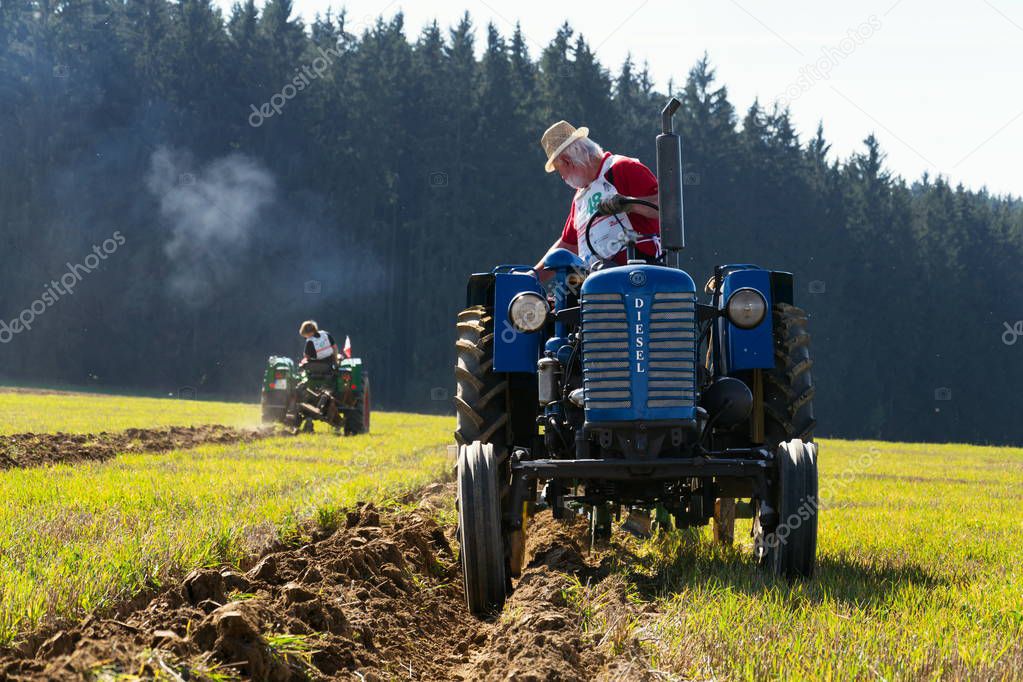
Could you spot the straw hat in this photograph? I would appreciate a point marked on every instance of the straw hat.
(556, 138)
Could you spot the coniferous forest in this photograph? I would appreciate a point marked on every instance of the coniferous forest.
(179, 189)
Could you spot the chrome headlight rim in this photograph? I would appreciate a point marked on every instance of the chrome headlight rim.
(525, 320)
(742, 322)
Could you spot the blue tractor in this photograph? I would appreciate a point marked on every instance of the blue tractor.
(616, 387)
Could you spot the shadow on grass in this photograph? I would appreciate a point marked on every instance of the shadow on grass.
(675, 562)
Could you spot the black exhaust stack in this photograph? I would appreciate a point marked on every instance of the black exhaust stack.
(669, 185)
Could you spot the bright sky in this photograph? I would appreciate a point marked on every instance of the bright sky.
(938, 81)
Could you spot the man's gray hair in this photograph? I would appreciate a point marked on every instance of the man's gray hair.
(583, 151)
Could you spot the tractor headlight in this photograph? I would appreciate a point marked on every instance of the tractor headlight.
(528, 312)
(746, 308)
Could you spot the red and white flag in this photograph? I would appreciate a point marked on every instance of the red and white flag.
(348, 347)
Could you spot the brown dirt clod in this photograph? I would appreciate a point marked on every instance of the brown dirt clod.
(379, 599)
(369, 599)
(41, 449)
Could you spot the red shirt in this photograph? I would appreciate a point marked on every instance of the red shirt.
(631, 178)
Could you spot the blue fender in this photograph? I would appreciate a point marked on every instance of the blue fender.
(744, 349)
(514, 351)
(563, 259)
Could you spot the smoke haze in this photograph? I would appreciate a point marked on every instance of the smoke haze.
(212, 214)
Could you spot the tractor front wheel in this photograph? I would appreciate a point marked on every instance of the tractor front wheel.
(479, 528)
(786, 543)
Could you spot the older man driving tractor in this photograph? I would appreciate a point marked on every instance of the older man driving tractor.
(605, 211)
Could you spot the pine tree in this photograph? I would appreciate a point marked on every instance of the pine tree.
(404, 166)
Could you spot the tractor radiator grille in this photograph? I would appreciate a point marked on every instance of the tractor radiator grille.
(607, 378)
(665, 369)
(671, 377)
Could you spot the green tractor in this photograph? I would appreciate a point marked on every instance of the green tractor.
(297, 394)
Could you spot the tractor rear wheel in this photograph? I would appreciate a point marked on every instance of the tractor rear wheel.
(481, 396)
(479, 528)
(365, 404)
(356, 418)
(788, 388)
(789, 548)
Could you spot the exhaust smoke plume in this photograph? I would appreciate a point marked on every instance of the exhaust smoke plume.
(213, 214)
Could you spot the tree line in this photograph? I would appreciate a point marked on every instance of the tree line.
(260, 171)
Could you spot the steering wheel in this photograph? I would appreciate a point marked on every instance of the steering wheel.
(628, 239)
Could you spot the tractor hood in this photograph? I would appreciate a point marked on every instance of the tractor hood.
(639, 345)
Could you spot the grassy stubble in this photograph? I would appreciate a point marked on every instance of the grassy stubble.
(74, 538)
(25, 412)
(920, 577)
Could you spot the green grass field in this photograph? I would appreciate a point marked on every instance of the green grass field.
(91, 413)
(920, 553)
(920, 577)
(77, 537)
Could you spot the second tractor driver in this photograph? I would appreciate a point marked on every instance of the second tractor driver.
(320, 346)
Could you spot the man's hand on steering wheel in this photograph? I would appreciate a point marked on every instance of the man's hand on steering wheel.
(611, 205)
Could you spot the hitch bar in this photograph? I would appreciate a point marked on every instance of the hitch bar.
(626, 470)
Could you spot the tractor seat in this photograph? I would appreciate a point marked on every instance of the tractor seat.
(319, 368)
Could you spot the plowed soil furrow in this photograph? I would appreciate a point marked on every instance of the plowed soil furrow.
(540, 635)
(40, 449)
(380, 599)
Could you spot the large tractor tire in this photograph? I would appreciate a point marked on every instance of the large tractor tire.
(479, 529)
(788, 388)
(357, 418)
(481, 396)
(366, 404)
(789, 548)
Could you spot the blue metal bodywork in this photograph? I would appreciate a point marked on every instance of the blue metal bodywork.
(562, 263)
(639, 288)
(514, 351)
(563, 260)
(744, 349)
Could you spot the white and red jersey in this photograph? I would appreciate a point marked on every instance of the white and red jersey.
(320, 346)
(617, 175)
